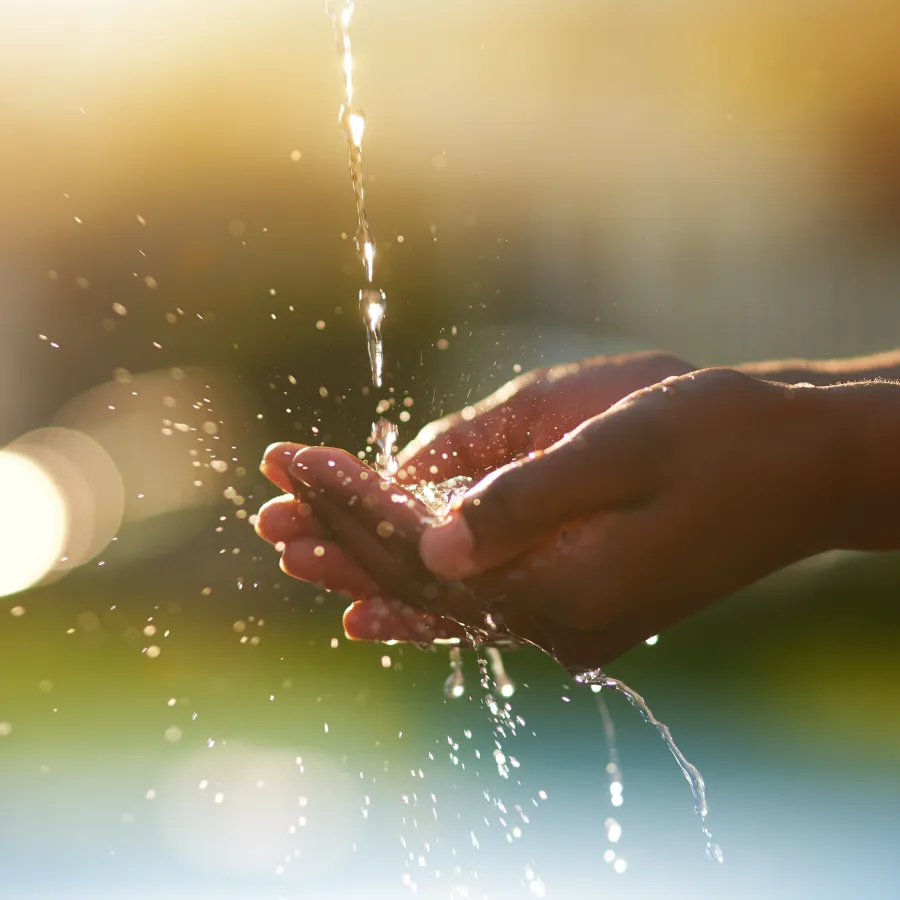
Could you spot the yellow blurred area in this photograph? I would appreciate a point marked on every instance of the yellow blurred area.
(561, 90)
(30, 541)
(705, 156)
(137, 447)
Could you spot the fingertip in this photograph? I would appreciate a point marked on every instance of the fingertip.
(281, 453)
(319, 458)
(284, 519)
(373, 620)
(276, 461)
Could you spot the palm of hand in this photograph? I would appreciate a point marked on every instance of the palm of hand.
(529, 414)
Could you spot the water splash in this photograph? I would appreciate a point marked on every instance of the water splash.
(688, 769)
(384, 437)
(439, 497)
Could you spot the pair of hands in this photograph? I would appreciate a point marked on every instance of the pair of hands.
(594, 521)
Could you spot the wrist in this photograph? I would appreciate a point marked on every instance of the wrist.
(859, 432)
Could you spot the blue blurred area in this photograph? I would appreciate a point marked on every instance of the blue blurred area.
(803, 796)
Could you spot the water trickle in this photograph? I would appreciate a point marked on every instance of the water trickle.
(372, 307)
(613, 771)
(438, 497)
(503, 684)
(455, 685)
(352, 122)
(384, 436)
(689, 770)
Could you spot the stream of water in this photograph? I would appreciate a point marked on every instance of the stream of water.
(373, 308)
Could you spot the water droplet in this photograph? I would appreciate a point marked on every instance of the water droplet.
(503, 684)
(455, 685)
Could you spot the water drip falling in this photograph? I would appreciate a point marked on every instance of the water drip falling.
(384, 436)
(614, 774)
(504, 686)
(689, 770)
(455, 685)
(372, 307)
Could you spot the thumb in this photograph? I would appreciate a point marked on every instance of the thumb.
(599, 466)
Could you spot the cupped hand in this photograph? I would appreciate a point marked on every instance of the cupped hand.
(529, 413)
(673, 498)
(347, 527)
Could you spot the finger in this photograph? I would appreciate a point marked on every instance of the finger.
(276, 461)
(375, 620)
(356, 510)
(323, 562)
(285, 518)
(383, 553)
(349, 482)
(602, 465)
(477, 439)
(532, 412)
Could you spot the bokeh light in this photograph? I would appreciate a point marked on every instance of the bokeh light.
(84, 475)
(247, 811)
(33, 527)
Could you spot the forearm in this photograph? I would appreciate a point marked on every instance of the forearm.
(821, 373)
(860, 428)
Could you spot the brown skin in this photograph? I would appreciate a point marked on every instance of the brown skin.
(529, 413)
(640, 516)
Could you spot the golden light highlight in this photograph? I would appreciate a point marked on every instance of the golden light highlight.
(34, 525)
(86, 478)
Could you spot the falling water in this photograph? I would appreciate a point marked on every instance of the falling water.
(352, 120)
(698, 788)
(372, 300)
(373, 307)
(455, 685)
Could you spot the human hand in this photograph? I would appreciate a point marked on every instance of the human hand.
(531, 412)
(348, 527)
(672, 499)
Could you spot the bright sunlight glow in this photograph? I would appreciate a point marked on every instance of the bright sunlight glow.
(357, 128)
(33, 527)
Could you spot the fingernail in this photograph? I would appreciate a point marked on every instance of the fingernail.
(297, 471)
(447, 547)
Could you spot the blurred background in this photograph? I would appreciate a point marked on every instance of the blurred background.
(547, 180)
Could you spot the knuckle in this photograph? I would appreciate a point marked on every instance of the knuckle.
(499, 511)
